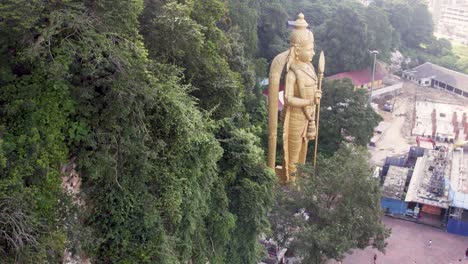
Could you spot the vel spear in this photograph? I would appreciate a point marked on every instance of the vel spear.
(321, 69)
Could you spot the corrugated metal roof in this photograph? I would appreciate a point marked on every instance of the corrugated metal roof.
(439, 73)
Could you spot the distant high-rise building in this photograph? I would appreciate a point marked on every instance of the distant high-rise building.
(453, 20)
(435, 7)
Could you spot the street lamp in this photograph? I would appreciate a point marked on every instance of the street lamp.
(375, 52)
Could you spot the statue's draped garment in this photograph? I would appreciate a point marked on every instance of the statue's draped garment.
(301, 83)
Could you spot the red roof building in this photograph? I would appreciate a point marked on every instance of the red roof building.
(362, 78)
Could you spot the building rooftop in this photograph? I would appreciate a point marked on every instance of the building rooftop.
(394, 184)
(428, 183)
(439, 73)
(440, 119)
(459, 178)
(359, 77)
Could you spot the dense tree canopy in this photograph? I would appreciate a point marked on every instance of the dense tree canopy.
(336, 209)
(345, 112)
(159, 180)
(157, 104)
(340, 37)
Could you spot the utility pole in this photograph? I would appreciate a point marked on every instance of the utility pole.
(375, 52)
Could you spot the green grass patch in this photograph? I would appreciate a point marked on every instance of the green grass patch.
(461, 51)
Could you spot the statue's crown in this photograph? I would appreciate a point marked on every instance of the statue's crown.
(300, 22)
(300, 34)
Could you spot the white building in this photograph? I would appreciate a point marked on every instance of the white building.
(451, 19)
(441, 121)
(431, 75)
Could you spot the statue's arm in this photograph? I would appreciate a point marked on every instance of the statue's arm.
(289, 97)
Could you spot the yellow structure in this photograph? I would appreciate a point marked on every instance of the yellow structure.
(301, 99)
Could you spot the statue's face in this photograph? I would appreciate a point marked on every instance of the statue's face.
(306, 52)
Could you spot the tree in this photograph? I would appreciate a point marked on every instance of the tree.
(249, 185)
(411, 19)
(272, 32)
(334, 209)
(380, 31)
(345, 112)
(399, 14)
(344, 40)
(439, 47)
(315, 11)
(186, 34)
(220, 58)
(422, 26)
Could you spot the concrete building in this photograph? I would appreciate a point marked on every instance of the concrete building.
(440, 121)
(434, 189)
(431, 75)
(427, 187)
(458, 192)
(393, 190)
(435, 7)
(451, 19)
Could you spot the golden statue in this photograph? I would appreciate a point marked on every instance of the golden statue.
(301, 100)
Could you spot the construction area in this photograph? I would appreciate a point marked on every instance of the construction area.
(420, 148)
(418, 112)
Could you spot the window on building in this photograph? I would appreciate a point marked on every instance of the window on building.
(442, 115)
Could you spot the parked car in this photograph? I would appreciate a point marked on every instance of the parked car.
(388, 106)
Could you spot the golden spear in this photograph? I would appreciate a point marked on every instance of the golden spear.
(321, 69)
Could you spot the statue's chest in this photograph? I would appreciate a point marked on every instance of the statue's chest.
(310, 85)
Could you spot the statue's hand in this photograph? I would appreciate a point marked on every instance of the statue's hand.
(318, 96)
(309, 112)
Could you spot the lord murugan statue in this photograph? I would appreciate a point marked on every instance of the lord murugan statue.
(302, 93)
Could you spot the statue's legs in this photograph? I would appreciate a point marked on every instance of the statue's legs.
(296, 142)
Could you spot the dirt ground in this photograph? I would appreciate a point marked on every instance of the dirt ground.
(397, 139)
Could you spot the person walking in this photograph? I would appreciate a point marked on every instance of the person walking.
(430, 243)
(466, 253)
(375, 258)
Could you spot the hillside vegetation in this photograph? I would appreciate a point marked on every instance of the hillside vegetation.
(155, 106)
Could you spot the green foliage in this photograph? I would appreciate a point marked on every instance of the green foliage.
(345, 112)
(380, 31)
(346, 41)
(198, 50)
(336, 209)
(340, 37)
(243, 15)
(414, 28)
(35, 112)
(164, 126)
(218, 62)
(272, 34)
(161, 181)
(249, 185)
(422, 26)
(462, 52)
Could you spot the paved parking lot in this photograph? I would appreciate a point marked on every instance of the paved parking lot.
(409, 242)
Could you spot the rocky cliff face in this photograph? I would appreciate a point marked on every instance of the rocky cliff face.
(71, 185)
